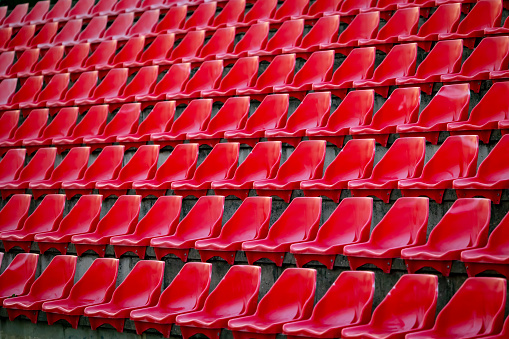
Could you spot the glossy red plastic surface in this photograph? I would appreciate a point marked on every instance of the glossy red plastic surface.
(155, 52)
(242, 75)
(81, 90)
(141, 84)
(16, 16)
(66, 35)
(203, 221)
(130, 52)
(254, 40)
(18, 277)
(21, 39)
(42, 37)
(7, 90)
(261, 11)
(202, 16)
(48, 62)
(24, 63)
(31, 128)
(100, 57)
(37, 13)
(15, 212)
(145, 24)
(172, 83)
(232, 13)
(12, 164)
(58, 11)
(26, 94)
(288, 35)
(80, 9)
(173, 20)
(110, 87)
(322, 32)
(221, 42)
(206, 78)
(465, 226)
(188, 48)
(8, 124)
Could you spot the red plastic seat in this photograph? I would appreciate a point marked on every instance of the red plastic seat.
(54, 90)
(194, 118)
(141, 288)
(445, 20)
(357, 66)
(491, 177)
(289, 9)
(37, 13)
(67, 35)
(356, 109)
(305, 163)
(7, 90)
(465, 226)
(180, 165)
(492, 54)
(16, 16)
(8, 125)
(242, 75)
(24, 63)
(186, 293)
(5, 37)
(317, 69)
(270, 114)
(288, 35)
(72, 167)
(203, 221)
(503, 126)
(31, 128)
(82, 218)
(322, 32)
(125, 122)
(48, 62)
(45, 218)
(386, 7)
(82, 89)
(39, 168)
(456, 158)
(26, 94)
(106, 166)
(119, 27)
(236, 295)
(485, 115)
(261, 163)
(42, 37)
(125, 6)
(313, 112)
(261, 11)
(92, 32)
(120, 219)
(101, 56)
(14, 213)
(347, 302)
(402, 107)
(320, 8)
(81, 9)
(74, 58)
(232, 13)
(141, 84)
(409, 306)
(404, 160)
(172, 21)
(6, 62)
(363, 26)
(449, 105)
(11, 164)
(253, 40)
(399, 62)
(503, 334)
(403, 226)
(485, 14)
(95, 287)
(130, 52)
(18, 277)
(403, 22)
(289, 299)
(172, 83)
(102, 6)
(298, 223)
(221, 42)
(59, 11)
(348, 224)
(232, 116)
(152, 225)
(155, 52)
(21, 39)
(206, 78)
(202, 17)
(475, 310)
(355, 161)
(145, 24)
(54, 283)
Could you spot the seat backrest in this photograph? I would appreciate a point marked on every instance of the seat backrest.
(21, 39)
(202, 16)
(306, 162)
(103, 54)
(143, 82)
(45, 34)
(15, 212)
(490, 55)
(154, 223)
(125, 121)
(195, 117)
(493, 167)
(323, 6)
(243, 74)
(445, 20)
(97, 283)
(25, 61)
(485, 14)
(73, 166)
(84, 216)
(75, 57)
(208, 76)
(220, 164)
(279, 72)
(103, 6)
(354, 161)
(318, 68)
(18, 277)
(403, 160)
(399, 62)
(93, 122)
(28, 90)
(131, 50)
(33, 125)
(46, 216)
(174, 80)
(16, 15)
(125, 5)
(263, 9)
(221, 42)
(255, 38)
(158, 48)
(323, 31)
(82, 7)
(56, 280)
(5, 35)
(203, 220)
(50, 59)
(356, 109)
(444, 58)
(58, 11)
(107, 164)
(490, 108)
(112, 84)
(146, 23)
(363, 26)
(402, 107)
(55, 88)
(356, 5)
(7, 90)
(69, 32)
(271, 113)
(291, 8)
(180, 165)
(159, 119)
(232, 115)
(232, 13)
(12, 164)
(122, 216)
(289, 34)
(62, 124)
(6, 61)
(312, 112)
(8, 124)
(142, 165)
(94, 29)
(120, 26)
(261, 163)
(173, 20)
(190, 45)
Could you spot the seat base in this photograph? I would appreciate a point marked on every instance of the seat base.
(60, 247)
(107, 192)
(334, 195)
(7, 193)
(69, 193)
(276, 257)
(383, 194)
(37, 193)
(117, 323)
(435, 194)
(283, 194)
(443, 266)
(385, 264)
(493, 195)
(337, 140)
(475, 268)
(82, 248)
(382, 139)
(30, 314)
(327, 260)
(289, 140)
(24, 245)
(142, 326)
(251, 142)
(240, 193)
(181, 253)
(211, 333)
(138, 250)
(73, 320)
(484, 135)
(431, 137)
(228, 256)
(196, 193)
(145, 193)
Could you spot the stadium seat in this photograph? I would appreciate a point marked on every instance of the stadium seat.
(456, 158)
(202, 17)
(485, 14)
(402, 107)
(45, 218)
(20, 41)
(130, 52)
(253, 40)
(465, 226)
(444, 20)
(355, 161)
(95, 287)
(36, 14)
(26, 94)
(54, 90)
(74, 59)
(67, 35)
(491, 178)
(449, 104)
(59, 11)
(194, 118)
(100, 57)
(180, 165)
(48, 62)
(16, 16)
(348, 224)
(142, 165)
(43, 37)
(364, 26)
(155, 52)
(323, 31)
(288, 35)
(119, 220)
(110, 87)
(125, 122)
(203, 221)
(298, 223)
(313, 112)
(72, 167)
(144, 25)
(320, 8)
(287, 10)
(386, 7)
(290, 299)
(186, 293)
(408, 307)
(220, 164)
(93, 31)
(14, 213)
(236, 295)
(231, 13)
(445, 58)
(106, 166)
(206, 78)
(125, 6)
(492, 54)
(31, 128)
(403, 226)
(356, 109)
(8, 125)
(141, 84)
(317, 69)
(24, 63)
(173, 21)
(7, 90)
(188, 48)
(6, 62)
(172, 83)
(249, 222)
(11, 165)
(80, 9)
(475, 310)
(221, 42)
(503, 334)
(485, 115)
(150, 226)
(141, 288)
(232, 116)
(160, 119)
(39, 168)
(5, 37)
(118, 29)
(18, 277)
(102, 6)
(399, 62)
(82, 218)
(54, 283)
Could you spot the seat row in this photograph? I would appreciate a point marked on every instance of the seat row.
(234, 305)
(462, 233)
